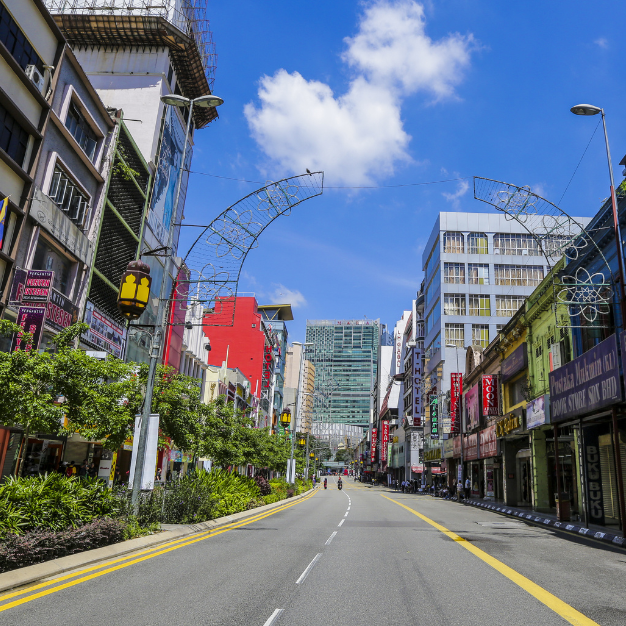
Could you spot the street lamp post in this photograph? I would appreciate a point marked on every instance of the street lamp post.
(590, 109)
(209, 101)
(285, 422)
(301, 394)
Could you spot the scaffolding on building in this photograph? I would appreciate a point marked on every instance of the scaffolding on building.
(181, 26)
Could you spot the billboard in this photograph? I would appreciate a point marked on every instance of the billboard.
(384, 440)
(374, 441)
(61, 312)
(456, 391)
(538, 412)
(166, 178)
(103, 331)
(433, 403)
(417, 386)
(32, 286)
(472, 408)
(491, 402)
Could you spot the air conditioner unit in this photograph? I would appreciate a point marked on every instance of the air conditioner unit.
(524, 252)
(36, 76)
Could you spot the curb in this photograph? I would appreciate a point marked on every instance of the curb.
(34, 573)
(536, 519)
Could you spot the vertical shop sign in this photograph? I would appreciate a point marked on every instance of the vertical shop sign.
(373, 449)
(384, 440)
(456, 391)
(417, 386)
(31, 319)
(433, 403)
(594, 476)
(471, 408)
(491, 404)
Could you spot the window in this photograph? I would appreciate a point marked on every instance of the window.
(521, 275)
(454, 304)
(433, 259)
(454, 273)
(13, 138)
(66, 195)
(477, 243)
(81, 131)
(480, 305)
(517, 390)
(433, 316)
(480, 335)
(516, 244)
(455, 334)
(14, 39)
(453, 243)
(435, 345)
(47, 257)
(430, 292)
(478, 273)
(507, 306)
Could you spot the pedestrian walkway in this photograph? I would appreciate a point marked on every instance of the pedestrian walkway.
(550, 520)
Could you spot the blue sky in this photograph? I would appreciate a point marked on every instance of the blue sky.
(385, 93)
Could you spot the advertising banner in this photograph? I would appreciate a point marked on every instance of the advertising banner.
(456, 391)
(433, 402)
(448, 449)
(166, 178)
(417, 386)
(491, 403)
(374, 441)
(457, 447)
(103, 331)
(488, 442)
(31, 319)
(515, 362)
(31, 286)
(591, 451)
(587, 383)
(384, 440)
(472, 405)
(538, 412)
(470, 447)
(60, 312)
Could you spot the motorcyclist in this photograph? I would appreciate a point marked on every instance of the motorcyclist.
(339, 483)
(325, 483)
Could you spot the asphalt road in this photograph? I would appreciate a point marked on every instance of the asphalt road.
(356, 557)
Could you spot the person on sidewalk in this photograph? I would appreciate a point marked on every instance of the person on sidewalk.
(468, 488)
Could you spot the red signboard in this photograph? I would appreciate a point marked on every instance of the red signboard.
(373, 449)
(491, 404)
(470, 447)
(31, 319)
(488, 442)
(456, 391)
(384, 440)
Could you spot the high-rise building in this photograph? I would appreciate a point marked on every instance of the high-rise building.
(344, 354)
(478, 270)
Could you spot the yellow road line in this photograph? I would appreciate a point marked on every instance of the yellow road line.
(150, 554)
(557, 605)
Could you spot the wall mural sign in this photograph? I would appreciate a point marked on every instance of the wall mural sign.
(417, 386)
(456, 391)
(491, 403)
(587, 383)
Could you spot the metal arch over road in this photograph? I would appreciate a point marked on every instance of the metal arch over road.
(215, 259)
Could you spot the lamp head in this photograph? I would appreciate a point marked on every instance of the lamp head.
(207, 102)
(585, 109)
(175, 101)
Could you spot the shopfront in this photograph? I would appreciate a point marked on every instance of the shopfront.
(516, 463)
(487, 450)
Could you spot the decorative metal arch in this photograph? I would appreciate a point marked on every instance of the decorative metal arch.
(556, 234)
(215, 259)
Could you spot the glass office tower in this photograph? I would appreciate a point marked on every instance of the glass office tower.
(344, 355)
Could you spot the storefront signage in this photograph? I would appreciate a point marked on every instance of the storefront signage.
(417, 469)
(457, 447)
(31, 286)
(417, 386)
(470, 447)
(60, 312)
(594, 476)
(31, 319)
(434, 454)
(514, 363)
(587, 383)
(398, 352)
(491, 404)
(511, 422)
(448, 449)
(488, 442)
(456, 391)
(384, 440)
(433, 403)
(373, 449)
(538, 412)
(103, 331)
(472, 403)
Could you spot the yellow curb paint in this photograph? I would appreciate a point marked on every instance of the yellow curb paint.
(151, 554)
(561, 608)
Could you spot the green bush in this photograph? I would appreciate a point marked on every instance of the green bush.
(52, 501)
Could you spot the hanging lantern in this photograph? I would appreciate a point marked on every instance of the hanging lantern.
(134, 293)
(302, 442)
(285, 418)
(312, 455)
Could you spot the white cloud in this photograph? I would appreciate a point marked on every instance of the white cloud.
(602, 42)
(358, 136)
(284, 295)
(462, 189)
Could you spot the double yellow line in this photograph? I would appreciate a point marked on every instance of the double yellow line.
(131, 559)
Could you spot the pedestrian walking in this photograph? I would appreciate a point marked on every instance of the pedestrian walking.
(84, 468)
(468, 488)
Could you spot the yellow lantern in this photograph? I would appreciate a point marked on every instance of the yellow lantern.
(285, 418)
(134, 292)
(302, 442)
(312, 455)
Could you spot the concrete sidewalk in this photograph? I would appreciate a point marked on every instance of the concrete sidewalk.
(171, 532)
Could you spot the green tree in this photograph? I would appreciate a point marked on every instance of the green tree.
(343, 456)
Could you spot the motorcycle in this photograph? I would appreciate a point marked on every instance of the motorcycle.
(340, 485)
(325, 485)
